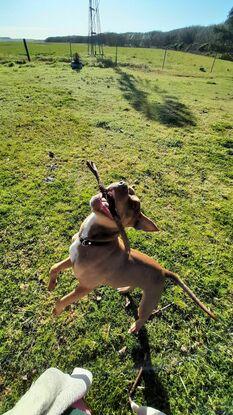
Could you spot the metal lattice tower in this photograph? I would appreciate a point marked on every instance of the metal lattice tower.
(95, 45)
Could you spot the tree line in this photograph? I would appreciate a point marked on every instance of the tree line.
(201, 39)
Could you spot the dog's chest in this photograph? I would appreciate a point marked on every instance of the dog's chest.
(74, 247)
(74, 250)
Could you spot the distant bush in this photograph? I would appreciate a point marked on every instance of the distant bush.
(204, 47)
(4, 61)
(43, 58)
(226, 56)
(105, 62)
(63, 59)
(21, 62)
(187, 49)
(141, 66)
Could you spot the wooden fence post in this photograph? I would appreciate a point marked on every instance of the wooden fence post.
(70, 51)
(212, 67)
(164, 57)
(27, 51)
(116, 55)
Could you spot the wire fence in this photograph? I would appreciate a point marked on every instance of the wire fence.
(142, 58)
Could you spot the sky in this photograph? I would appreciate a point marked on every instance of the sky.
(38, 19)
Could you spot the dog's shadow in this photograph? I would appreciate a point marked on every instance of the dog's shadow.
(154, 393)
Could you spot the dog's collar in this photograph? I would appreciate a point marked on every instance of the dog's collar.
(89, 242)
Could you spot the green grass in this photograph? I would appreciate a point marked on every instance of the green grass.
(169, 133)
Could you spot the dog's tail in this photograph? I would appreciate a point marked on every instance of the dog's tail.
(177, 280)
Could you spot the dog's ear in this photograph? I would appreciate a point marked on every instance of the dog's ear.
(145, 224)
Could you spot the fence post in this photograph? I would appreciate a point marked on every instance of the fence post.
(164, 57)
(70, 51)
(27, 51)
(116, 55)
(212, 67)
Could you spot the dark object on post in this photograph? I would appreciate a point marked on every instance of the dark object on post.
(27, 51)
(76, 62)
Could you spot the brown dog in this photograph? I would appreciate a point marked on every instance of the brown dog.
(98, 256)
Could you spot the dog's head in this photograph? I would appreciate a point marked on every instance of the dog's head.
(127, 205)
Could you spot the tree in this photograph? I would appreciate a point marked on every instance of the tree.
(230, 17)
(224, 35)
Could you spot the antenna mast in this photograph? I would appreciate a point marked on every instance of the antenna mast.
(95, 45)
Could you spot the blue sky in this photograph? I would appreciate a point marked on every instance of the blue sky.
(41, 18)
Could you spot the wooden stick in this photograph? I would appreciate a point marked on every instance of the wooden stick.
(136, 382)
(140, 372)
(112, 207)
(160, 310)
(138, 377)
(94, 170)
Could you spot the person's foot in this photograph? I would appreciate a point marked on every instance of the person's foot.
(123, 290)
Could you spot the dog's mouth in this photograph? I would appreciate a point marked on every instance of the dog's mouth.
(104, 208)
(100, 204)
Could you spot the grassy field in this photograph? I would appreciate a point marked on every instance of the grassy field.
(168, 133)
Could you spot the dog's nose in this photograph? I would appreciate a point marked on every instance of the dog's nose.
(122, 183)
(123, 186)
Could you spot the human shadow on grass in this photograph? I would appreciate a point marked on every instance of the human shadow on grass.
(154, 393)
(170, 112)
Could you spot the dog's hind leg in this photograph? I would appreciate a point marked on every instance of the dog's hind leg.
(56, 268)
(149, 302)
(70, 298)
